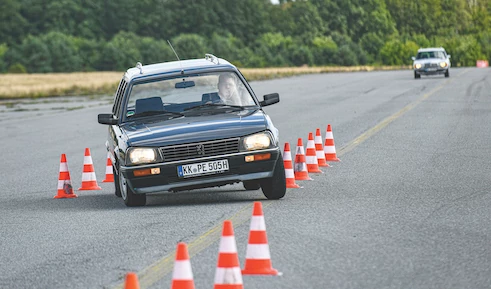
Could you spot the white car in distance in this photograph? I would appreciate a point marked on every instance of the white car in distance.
(431, 61)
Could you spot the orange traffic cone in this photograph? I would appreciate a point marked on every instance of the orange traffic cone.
(228, 275)
(89, 181)
(319, 149)
(258, 259)
(131, 281)
(109, 170)
(300, 167)
(311, 156)
(329, 148)
(182, 276)
(289, 174)
(65, 189)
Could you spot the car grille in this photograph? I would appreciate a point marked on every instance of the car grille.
(200, 149)
(431, 65)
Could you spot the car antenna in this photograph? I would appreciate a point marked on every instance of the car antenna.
(182, 70)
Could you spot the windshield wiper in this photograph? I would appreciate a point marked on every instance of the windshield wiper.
(218, 105)
(155, 112)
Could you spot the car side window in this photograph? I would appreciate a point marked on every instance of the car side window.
(120, 96)
(116, 98)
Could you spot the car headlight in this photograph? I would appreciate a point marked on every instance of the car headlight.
(257, 141)
(141, 155)
(443, 64)
(417, 65)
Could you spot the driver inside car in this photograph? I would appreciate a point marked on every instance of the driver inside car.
(227, 89)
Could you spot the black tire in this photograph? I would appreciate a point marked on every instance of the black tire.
(416, 75)
(274, 188)
(117, 188)
(447, 73)
(251, 185)
(129, 197)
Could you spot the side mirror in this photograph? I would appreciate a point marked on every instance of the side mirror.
(413, 58)
(270, 99)
(106, 118)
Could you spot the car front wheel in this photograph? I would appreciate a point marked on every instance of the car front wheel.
(129, 197)
(275, 187)
(447, 73)
(416, 75)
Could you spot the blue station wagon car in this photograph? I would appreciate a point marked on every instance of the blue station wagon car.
(191, 124)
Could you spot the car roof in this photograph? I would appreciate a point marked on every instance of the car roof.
(431, 49)
(209, 62)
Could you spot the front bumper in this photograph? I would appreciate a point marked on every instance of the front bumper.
(168, 179)
(431, 71)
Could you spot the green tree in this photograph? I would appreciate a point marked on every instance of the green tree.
(89, 52)
(190, 46)
(274, 47)
(421, 40)
(12, 23)
(465, 50)
(230, 48)
(154, 51)
(356, 17)
(300, 55)
(63, 52)
(351, 54)
(324, 50)
(300, 20)
(346, 56)
(120, 53)
(3, 50)
(372, 43)
(397, 52)
(35, 55)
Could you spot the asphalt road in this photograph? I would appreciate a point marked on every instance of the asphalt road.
(408, 206)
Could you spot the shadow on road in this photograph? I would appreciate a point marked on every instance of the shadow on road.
(105, 201)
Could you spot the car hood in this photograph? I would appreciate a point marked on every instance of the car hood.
(161, 132)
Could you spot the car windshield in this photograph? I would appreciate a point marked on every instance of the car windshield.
(430, 54)
(180, 94)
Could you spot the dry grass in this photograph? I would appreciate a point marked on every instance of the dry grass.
(269, 73)
(57, 84)
(98, 83)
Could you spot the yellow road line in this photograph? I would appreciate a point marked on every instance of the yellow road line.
(158, 270)
(363, 137)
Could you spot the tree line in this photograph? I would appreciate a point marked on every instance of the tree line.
(40, 36)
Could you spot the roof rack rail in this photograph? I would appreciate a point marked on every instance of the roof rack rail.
(140, 67)
(212, 58)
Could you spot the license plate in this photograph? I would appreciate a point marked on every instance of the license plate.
(204, 168)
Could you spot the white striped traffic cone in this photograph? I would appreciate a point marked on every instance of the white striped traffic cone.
(65, 189)
(182, 275)
(300, 167)
(319, 149)
(329, 147)
(287, 163)
(228, 275)
(109, 170)
(89, 181)
(258, 259)
(311, 156)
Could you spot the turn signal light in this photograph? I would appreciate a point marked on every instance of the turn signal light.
(146, 172)
(258, 157)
